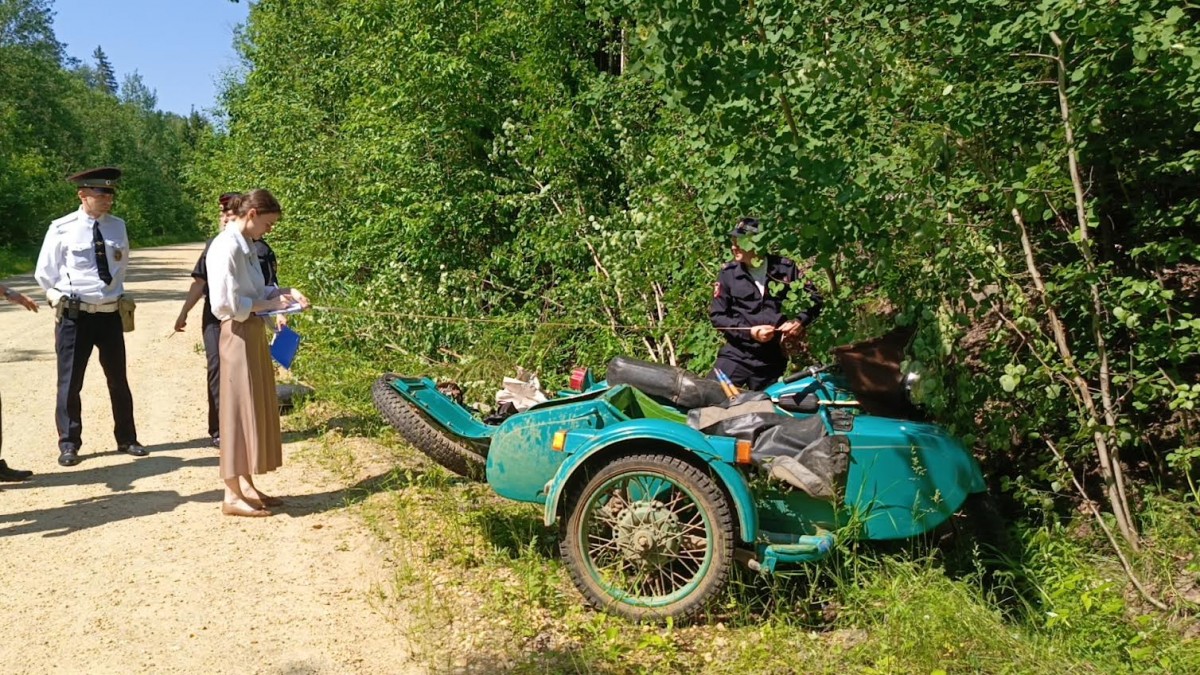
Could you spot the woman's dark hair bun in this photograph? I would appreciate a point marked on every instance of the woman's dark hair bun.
(260, 200)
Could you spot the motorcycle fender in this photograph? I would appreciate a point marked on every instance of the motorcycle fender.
(587, 445)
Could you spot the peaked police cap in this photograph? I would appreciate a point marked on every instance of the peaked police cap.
(103, 177)
(745, 226)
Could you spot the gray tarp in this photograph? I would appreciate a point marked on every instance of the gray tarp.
(797, 451)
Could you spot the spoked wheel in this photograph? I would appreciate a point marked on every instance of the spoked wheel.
(649, 537)
(422, 435)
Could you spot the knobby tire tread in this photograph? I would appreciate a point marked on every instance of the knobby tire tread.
(423, 435)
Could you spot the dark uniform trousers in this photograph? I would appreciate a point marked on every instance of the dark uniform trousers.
(73, 341)
(212, 353)
(749, 372)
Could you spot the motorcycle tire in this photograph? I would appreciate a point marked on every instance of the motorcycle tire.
(423, 435)
(643, 556)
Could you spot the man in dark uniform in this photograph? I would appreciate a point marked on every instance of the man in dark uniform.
(210, 325)
(749, 312)
(81, 268)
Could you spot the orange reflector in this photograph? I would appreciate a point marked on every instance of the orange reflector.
(743, 452)
(560, 441)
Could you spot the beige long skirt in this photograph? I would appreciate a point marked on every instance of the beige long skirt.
(249, 414)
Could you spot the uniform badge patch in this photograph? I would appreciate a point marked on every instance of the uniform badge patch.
(118, 254)
(717, 289)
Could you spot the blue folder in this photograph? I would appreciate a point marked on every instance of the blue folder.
(284, 346)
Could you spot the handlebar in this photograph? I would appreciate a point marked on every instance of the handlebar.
(812, 371)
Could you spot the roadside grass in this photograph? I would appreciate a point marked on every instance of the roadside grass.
(483, 589)
(1173, 537)
(17, 260)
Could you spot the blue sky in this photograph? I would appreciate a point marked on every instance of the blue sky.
(180, 47)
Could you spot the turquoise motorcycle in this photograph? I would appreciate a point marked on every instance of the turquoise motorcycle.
(654, 505)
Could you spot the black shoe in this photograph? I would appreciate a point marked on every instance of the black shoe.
(216, 441)
(68, 457)
(136, 449)
(7, 474)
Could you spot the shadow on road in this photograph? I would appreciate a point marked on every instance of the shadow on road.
(121, 477)
(177, 273)
(27, 355)
(346, 425)
(83, 514)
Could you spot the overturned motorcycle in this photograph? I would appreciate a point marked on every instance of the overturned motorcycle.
(658, 481)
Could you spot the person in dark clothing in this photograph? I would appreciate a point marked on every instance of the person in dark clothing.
(749, 312)
(210, 326)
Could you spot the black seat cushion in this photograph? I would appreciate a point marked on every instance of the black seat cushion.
(676, 385)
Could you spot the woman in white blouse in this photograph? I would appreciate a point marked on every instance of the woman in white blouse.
(249, 414)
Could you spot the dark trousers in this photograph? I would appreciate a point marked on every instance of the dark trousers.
(751, 377)
(73, 341)
(212, 353)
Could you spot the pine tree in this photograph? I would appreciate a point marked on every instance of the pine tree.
(135, 92)
(106, 77)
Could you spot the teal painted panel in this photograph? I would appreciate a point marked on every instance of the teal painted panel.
(905, 477)
(451, 416)
(521, 460)
(793, 512)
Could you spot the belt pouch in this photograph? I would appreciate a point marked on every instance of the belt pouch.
(125, 307)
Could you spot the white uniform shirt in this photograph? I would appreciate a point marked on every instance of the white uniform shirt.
(235, 279)
(66, 265)
(759, 275)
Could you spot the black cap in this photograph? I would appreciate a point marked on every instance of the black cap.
(744, 227)
(105, 177)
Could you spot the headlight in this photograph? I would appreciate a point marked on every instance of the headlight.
(912, 383)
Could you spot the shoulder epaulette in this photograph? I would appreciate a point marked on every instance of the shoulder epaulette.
(59, 222)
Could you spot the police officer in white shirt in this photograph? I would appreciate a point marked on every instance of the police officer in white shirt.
(82, 270)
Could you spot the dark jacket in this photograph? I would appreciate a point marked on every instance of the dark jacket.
(737, 304)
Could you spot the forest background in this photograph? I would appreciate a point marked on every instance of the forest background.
(485, 184)
(59, 115)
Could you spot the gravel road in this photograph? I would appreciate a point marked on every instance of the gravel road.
(126, 565)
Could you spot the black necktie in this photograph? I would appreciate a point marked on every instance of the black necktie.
(101, 257)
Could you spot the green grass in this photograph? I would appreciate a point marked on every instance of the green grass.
(482, 588)
(17, 260)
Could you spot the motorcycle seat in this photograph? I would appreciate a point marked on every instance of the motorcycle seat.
(675, 385)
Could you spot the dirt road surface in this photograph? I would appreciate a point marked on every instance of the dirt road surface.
(123, 564)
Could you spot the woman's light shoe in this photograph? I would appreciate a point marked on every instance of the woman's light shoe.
(244, 508)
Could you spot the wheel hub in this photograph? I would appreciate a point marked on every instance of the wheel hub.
(648, 532)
